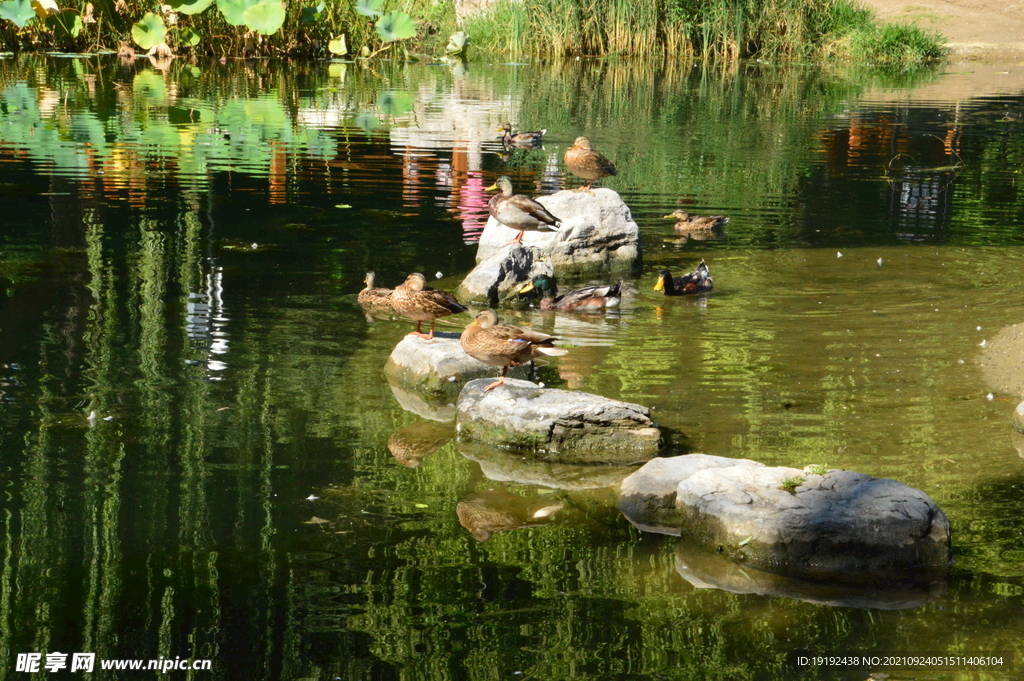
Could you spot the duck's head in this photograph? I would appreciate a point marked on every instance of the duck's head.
(486, 318)
(582, 143)
(416, 282)
(679, 215)
(504, 184)
(370, 278)
(506, 126)
(664, 280)
(545, 283)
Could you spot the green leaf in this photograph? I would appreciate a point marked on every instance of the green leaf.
(189, 6)
(369, 8)
(266, 17)
(338, 46)
(395, 103)
(65, 24)
(18, 11)
(188, 36)
(395, 26)
(457, 43)
(149, 31)
(234, 10)
(311, 14)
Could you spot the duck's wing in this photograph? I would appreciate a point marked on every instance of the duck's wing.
(608, 295)
(440, 302)
(522, 212)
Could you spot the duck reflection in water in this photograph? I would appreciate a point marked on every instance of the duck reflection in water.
(495, 510)
(412, 444)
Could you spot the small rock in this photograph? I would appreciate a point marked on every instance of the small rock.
(1018, 418)
(556, 425)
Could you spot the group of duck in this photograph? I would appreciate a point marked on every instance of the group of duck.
(505, 345)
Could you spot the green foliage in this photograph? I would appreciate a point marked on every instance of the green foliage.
(19, 12)
(150, 31)
(188, 36)
(189, 6)
(370, 8)
(66, 24)
(312, 14)
(338, 46)
(234, 11)
(790, 484)
(265, 18)
(395, 26)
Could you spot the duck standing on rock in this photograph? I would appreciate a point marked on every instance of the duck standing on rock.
(520, 139)
(590, 298)
(518, 211)
(686, 223)
(420, 303)
(505, 345)
(584, 162)
(698, 281)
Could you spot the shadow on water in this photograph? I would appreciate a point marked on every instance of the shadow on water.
(201, 458)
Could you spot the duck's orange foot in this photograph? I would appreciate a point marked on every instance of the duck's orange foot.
(492, 386)
(418, 334)
(518, 239)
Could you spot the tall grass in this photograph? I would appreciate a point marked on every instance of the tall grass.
(708, 29)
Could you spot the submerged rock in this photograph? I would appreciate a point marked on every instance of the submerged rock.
(841, 526)
(435, 371)
(597, 234)
(556, 425)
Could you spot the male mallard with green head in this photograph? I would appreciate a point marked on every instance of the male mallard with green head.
(420, 303)
(696, 223)
(584, 162)
(505, 345)
(518, 211)
(698, 281)
(520, 139)
(589, 298)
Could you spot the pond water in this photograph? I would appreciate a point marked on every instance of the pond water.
(202, 460)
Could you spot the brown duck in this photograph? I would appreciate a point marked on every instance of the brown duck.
(584, 162)
(696, 223)
(505, 345)
(374, 298)
(420, 303)
(520, 139)
(698, 281)
(590, 298)
(518, 211)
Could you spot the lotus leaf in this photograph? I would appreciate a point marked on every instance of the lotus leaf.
(18, 11)
(337, 70)
(149, 31)
(395, 103)
(188, 36)
(311, 14)
(370, 8)
(266, 17)
(66, 23)
(395, 26)
(234, 10)
(457, 43)
(338, 46)
(189, 6)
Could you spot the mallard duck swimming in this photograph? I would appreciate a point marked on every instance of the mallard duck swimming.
(420, 303)
(520, 139)
(584, 162)
(518, 211)
(693, 223)
(505, 345)
(377, 298)
(698, 281)
(588, 298)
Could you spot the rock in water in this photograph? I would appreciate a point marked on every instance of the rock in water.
(437, 369)
(556, 425)
(842, 526)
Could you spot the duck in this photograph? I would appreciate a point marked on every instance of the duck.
(520, 139)
(698, 281)
(518, 211)
(376, 298)
(588, 298)
(584, 162)
(695, 223)
(420, 303)
(505, 345)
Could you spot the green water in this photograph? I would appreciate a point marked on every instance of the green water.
(179, 254)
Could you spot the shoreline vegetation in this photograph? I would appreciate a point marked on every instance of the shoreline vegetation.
(712, 30)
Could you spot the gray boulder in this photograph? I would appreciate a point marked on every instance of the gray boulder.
(840, 526)
(598, 234)
(1018, 418)
(435, 370)
(556, 425)
(501, 275)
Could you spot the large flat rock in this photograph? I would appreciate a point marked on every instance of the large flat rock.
(556, 425)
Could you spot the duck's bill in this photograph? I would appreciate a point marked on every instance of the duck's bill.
(527, 288)
(660, 286)
(492, 188)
